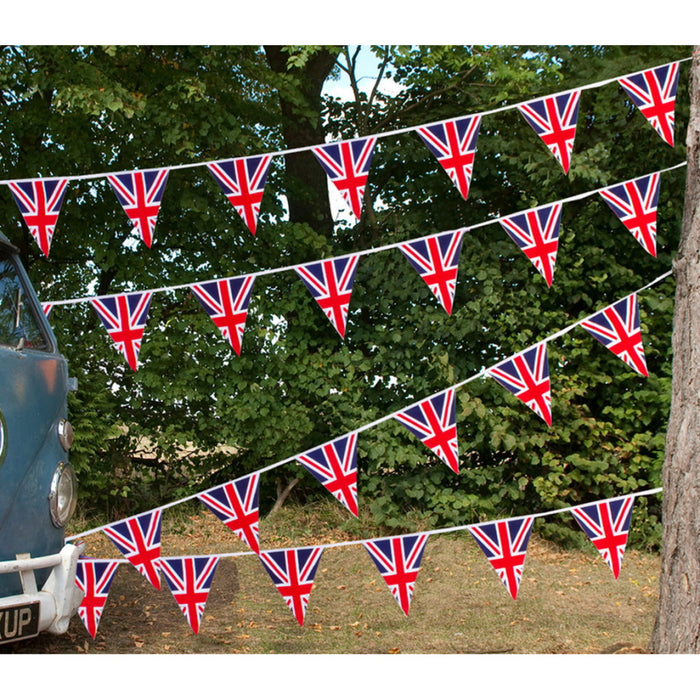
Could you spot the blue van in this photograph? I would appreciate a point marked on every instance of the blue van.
(37, 483)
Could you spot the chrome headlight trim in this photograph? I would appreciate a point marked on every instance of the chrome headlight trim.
(65, 434)
(63, 495)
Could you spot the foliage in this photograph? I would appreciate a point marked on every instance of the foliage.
(71, 110)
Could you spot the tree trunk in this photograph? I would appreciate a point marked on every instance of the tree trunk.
(677, 628)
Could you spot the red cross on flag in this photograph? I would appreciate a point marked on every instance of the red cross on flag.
(433, 422)
(653, 91)
(40, 202)
(138, 539)
(335, 466)
(140, 193)
(505, 545)
(94, 578)
(124, 318)
(607, 525)
(189, 580)
(330, 283)
(554, 120)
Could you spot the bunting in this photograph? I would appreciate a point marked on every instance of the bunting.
(607, 525)
(330, 283)
(554, 121)
(293, 572)
(526, 376)
(347, 165)
(226, 301)
(140, 193)
(398, 561)
(536, 233)
(635, 203)
(505, 545)
(40, 202)
(617, 328)
(124, 318)
(653, 91)
(433, 422)
(243, 182)
(436, 260)
(453, 143)
(94, 578)
(189, 580)
(138, 539)
(335, 466)
(236, 505)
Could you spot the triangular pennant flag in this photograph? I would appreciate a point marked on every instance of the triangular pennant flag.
(635, 203)
(293, 572)
(617, 327)
(46, 307)
(236, 505)
(433, 422)
(335, 466)
(526, 375)
(243, 183)
(653, 91)
(40, 202)
(554, 120)
(536, 233)
(607, 524)
(124, 318)
(436, 260)
(140, 193)
(398, 561)
(189, 580)
(138, 539)
(505, 545)
(94, 578)
(330, 283)
(453, 143)
(347, 165)
(226, 302)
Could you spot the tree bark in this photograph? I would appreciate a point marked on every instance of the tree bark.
(677, 628)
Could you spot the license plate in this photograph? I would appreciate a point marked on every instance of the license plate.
(19, 622)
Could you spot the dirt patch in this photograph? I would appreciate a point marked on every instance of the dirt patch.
(569, 602)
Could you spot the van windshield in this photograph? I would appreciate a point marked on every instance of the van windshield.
(19, 327)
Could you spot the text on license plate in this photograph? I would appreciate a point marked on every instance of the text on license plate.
(19, 622)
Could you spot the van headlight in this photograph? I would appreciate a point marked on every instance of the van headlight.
(63, 495)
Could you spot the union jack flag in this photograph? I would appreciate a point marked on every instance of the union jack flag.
(505, 545)
(398, 561)
(433, 422)
(236, 505)
(347, 165)
(94, 579)
(47, 307)
(635, 203)
(653, 91)
(226, 302)
(140, 193)
(526, 375)
(453, 143)
(243, 183)
(189, 580)
(554, 120)
(607, 524)
(436, 260)
(330, 283)
(335, 466)
(138, 539)
(536, 233)
(124, 317)
(40, 202)
(617, 327)
(293, 572)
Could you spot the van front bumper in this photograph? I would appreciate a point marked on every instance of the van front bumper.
(58, 600)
